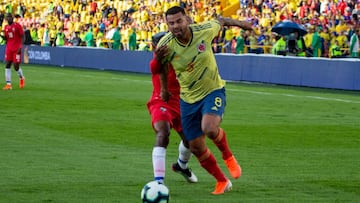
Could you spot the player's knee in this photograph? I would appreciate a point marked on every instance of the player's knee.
(196, 151)
(16, 67)
(210, 125)
(8, 65)
(211, 130)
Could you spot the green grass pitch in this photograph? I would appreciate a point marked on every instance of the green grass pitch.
(79, 135)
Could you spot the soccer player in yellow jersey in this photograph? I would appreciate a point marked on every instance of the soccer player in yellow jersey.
(187, 47)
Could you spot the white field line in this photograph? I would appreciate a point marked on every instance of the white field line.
(267, 93)
(297, 96)
(247, 91)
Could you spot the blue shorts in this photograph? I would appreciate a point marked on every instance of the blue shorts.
(191, 114)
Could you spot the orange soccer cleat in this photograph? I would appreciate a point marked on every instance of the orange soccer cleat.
(22, 83)
(222, 187)
(7, 87)
(233, 167)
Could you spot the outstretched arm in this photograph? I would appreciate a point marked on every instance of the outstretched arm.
(232, 22)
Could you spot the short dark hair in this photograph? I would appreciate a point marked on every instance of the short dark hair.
(174, 10)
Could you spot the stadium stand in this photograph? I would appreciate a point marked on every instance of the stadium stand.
(331, 20)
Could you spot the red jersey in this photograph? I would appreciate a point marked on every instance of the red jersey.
(93, 6)
(14, 34)
(173, 86)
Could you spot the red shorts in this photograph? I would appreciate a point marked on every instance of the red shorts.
(162, 112)
(12, 56)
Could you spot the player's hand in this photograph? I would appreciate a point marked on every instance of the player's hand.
(161, 52)
(19, 51)
(165, 95)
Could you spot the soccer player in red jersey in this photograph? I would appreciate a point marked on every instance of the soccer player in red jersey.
(14, 36)
(164, 116)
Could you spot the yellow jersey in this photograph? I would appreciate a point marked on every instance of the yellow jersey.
(194, 63)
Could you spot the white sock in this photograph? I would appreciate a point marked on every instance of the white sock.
(20, 73)
(184, 156)
(158, 159)
(8, 75)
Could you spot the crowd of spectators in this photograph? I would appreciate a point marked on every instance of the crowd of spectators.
(130, 24)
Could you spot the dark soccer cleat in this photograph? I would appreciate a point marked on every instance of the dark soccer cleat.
(187, 173)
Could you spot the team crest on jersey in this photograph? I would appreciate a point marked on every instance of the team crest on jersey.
(201, 47)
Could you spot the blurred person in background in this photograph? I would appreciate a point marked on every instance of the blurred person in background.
(132, 40)
(300, 43)
(354, 44)
(228, 37)
(253, 40)
(89, 38)
(267, 44)
(116, 38)
(316, 43)
(261, 41)
(240, 43)
(60, 38)
(46, 37)
(335, 50)
(14, 36)
(279, 48)
(75, 39)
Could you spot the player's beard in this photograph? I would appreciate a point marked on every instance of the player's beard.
(178, 33)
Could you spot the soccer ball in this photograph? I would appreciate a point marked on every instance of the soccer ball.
(155, 192)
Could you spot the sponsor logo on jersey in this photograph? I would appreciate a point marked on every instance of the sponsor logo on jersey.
(201, 47)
